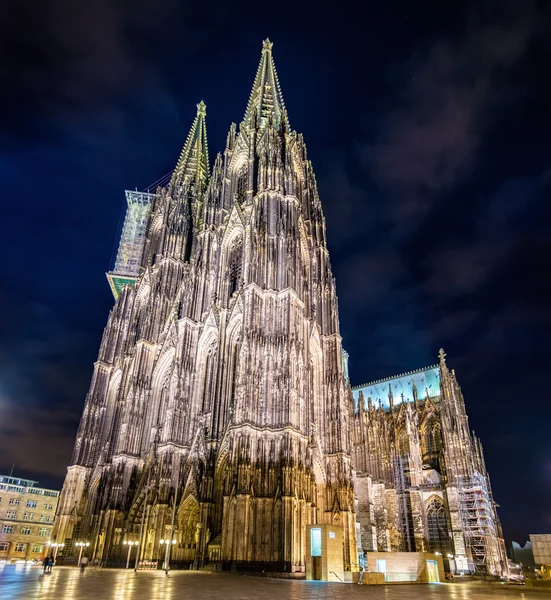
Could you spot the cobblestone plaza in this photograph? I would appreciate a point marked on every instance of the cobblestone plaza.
(20, 582)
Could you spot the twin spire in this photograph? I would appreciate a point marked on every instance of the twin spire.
(266, 99)
(265, 104)
(193, 164)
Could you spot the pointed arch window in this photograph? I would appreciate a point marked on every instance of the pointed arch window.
(235, 265)
(241, 182)
(437, 528)
(403, 443)
(432, 443)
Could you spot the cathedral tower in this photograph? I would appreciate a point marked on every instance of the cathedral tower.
(218, 407)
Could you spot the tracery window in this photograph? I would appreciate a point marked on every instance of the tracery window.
(432, 443)
(241, 183)
(438, 533)
(235, 264)
(403, 443)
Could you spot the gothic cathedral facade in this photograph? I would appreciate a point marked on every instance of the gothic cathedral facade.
(219, 386)
(220, 414)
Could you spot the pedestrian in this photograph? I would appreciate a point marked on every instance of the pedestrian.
(50, 564)
(45, 564)
(361, 575)
(83, 563)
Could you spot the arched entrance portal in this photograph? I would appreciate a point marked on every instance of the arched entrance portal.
(188, 521)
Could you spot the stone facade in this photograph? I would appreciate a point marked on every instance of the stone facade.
(422, 473)
(219, 386)
(220, 413)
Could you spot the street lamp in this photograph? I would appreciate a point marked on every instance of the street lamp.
(438, 553)
(56, 547)
(81, 545)
(168, 544)
(130, 544)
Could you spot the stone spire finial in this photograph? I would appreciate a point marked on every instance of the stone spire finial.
(193, 163)
(442, 355)
(266, 100)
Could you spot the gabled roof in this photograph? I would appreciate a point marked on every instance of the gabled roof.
(427, 378)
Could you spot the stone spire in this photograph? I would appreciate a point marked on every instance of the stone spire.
(266, 99)
(193, 164)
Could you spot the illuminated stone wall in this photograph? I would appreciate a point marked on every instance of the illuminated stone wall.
(429, 483)
(218, 407)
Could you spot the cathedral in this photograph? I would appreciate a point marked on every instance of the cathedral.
(420, 477)
(220, 416)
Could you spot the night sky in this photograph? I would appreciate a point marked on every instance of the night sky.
(429, 128)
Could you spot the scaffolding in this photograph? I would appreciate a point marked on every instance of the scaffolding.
(400, 464)
(132, 241)
(479, 525)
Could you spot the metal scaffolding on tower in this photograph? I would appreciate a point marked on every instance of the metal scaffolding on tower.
(132, 241)
(400, 470)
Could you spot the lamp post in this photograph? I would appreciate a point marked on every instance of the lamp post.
(451, 559)
(81, 546)
(56, 547)
(167, 544)
(130, 544)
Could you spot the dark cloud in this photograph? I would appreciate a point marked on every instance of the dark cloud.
(36, 439)
(446, 102)
(460, 269)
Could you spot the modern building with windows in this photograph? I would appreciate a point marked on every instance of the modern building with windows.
(26, 519)
(541, 547)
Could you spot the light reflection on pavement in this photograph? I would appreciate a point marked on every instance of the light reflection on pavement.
(25, 582)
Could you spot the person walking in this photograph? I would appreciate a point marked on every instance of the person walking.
(83, 563)
(49, 564)
(361, 575)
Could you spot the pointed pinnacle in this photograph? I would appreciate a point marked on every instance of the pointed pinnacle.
(266, 100)
(194, 159)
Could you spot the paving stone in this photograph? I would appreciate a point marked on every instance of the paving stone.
(28, 583)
